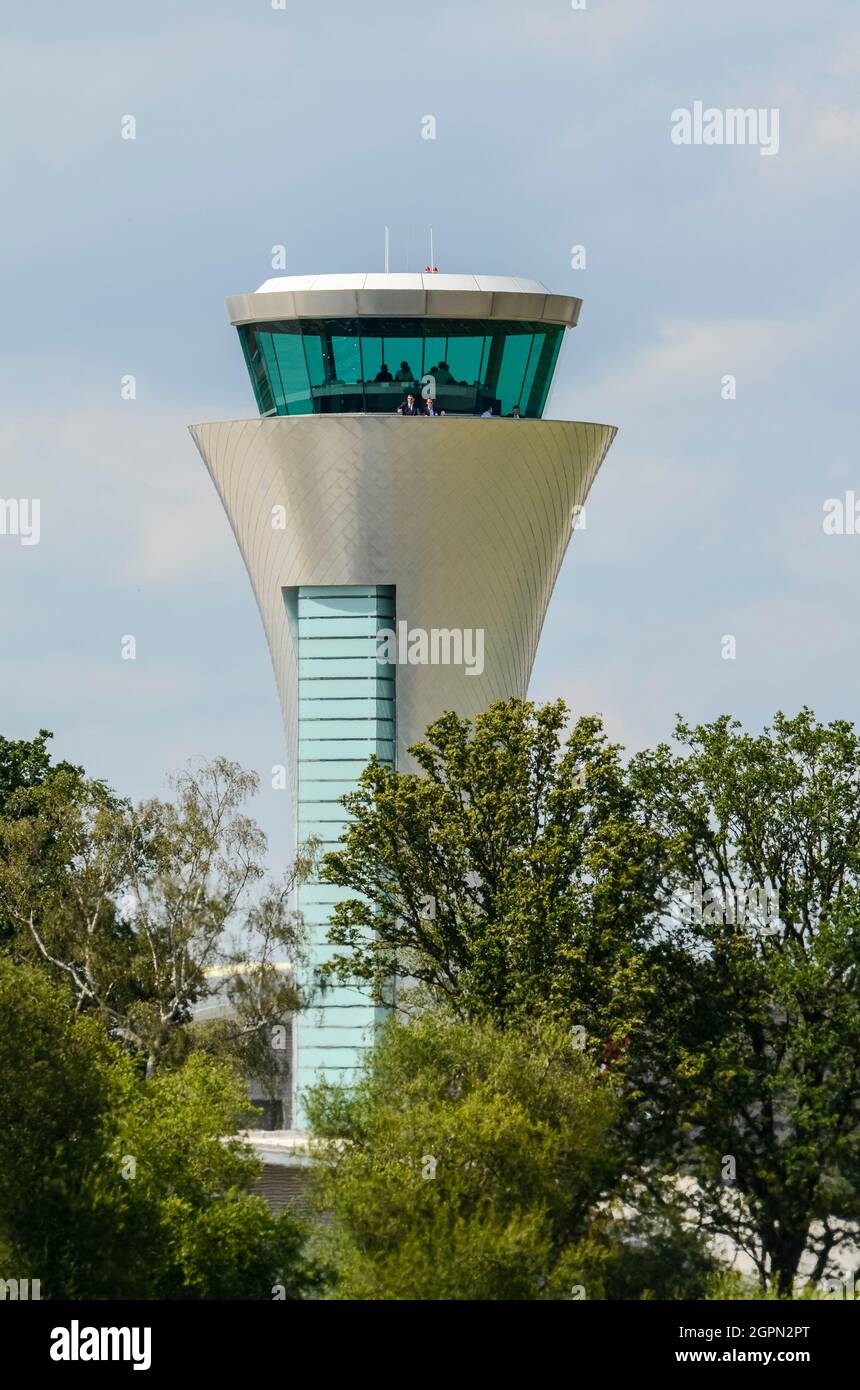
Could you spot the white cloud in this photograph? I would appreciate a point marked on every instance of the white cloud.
(590, 695)
(683, 367)
(827, 145)
(845, 59)
(698, 354)
(600, 29)
(123, 491)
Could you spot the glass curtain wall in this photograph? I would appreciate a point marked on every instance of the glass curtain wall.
(347, 711)
(341, 366)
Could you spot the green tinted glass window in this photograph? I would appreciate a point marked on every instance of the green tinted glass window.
(257, 371)
(464, 357)
(347, 357)
(373, 357)
(434, 353)
(409, 356)
(546, 360)
(313, 348)
(513, 368)
(292, 369)
(382, 394)
(343, 366)
(531, 369)
(270, 363)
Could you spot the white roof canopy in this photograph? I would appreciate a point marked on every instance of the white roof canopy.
(396, 294)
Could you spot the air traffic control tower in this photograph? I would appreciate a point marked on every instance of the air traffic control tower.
(353, 519)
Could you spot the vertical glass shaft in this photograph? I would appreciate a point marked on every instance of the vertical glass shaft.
(346, 713)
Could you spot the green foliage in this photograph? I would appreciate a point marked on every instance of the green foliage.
(465, 1163)
(649, 1251)
(517, 876)
(759, 1053)
(24, 764)
(26, 769)
(63, 1214)
(235, 1249)
(618, 1048)
(730, 1286)
(522, 877)
(143, 912)
(118, 1187)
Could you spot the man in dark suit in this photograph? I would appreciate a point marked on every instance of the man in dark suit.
(411, 406)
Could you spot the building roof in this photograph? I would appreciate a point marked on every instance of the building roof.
(397, 294)
(395, 280)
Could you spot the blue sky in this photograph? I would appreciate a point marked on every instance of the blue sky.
(302, 127)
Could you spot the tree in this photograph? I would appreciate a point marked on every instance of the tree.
(144, 912)
(465, 1164)
(117, 1187)
(754, 1076)
(694, 913)
(649, 1250)
(26, 764)
(516, 876)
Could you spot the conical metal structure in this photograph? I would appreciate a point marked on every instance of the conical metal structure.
(446, 534)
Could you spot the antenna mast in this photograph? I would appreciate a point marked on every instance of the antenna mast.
(387, 247)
